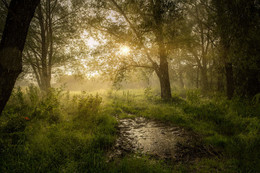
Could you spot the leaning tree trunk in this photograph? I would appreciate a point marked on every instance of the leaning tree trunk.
(19, 16)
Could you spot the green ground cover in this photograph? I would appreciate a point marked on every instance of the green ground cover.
(64, 132)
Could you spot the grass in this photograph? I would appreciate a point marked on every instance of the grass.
(71, 132)
(55, 138)
(138, 164)
(230, 126)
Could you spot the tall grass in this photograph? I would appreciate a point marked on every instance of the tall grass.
(40, 133)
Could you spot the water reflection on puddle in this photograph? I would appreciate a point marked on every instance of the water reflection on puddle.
(145, 136)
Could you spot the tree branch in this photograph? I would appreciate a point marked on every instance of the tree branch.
(136, 33)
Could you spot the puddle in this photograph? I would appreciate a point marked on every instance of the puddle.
(159, 140)
(149, 137)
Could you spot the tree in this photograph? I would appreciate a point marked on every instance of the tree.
(20, 13)
(148, 27)
(49, 38)
(238, 31)
(202, 34)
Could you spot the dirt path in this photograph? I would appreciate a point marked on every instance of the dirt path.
(156, 139)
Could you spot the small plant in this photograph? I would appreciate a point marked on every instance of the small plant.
(148, 93)
(88, 105)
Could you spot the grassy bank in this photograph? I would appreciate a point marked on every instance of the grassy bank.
(64, 132)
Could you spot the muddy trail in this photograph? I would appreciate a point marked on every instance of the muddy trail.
(158, 140)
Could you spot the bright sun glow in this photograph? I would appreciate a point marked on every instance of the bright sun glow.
(124, 50)
(89, 41)
(92, 43)
(69, 73)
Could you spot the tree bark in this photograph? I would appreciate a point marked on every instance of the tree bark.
(19, 16)
(163, 75)
(163, 72)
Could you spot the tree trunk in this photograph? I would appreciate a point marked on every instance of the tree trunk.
(19, 16)
(163, 71)
(163, 75)
(50, 36)
(253, 83)
(229, 80)
(45, 83)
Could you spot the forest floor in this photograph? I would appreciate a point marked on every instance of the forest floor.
(128, 131)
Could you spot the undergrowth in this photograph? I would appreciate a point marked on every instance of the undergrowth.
(230, 126)
(61, 132)
(54, 133)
